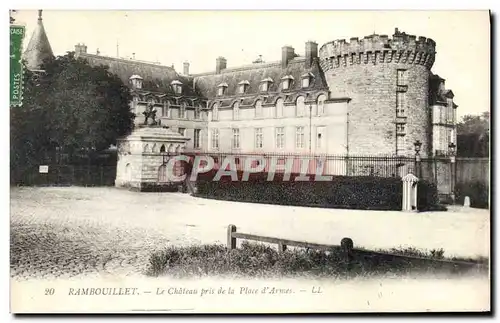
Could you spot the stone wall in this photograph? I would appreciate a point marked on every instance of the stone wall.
(367, 72)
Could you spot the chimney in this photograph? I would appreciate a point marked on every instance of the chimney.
(311, 53)
(287, 54)
(220, 64)
(186, 68)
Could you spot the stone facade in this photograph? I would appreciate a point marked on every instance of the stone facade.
(388, 82)
(142, 163)
(370, 96)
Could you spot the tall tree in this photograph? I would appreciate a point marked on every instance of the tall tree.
(473, 135)
(71, 107)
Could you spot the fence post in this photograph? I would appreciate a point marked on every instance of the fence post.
(347, 245)
(231, 242)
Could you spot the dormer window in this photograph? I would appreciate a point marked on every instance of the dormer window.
(177, 87)
(136, 81)
(222, 89)
(265, 84)
(287, 82)
(306, 79)
(243, 86)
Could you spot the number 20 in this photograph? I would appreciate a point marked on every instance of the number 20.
(49, 291)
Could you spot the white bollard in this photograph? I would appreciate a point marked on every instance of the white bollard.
(467, 201)
(410, 193)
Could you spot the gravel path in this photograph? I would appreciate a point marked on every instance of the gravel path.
(73, 231)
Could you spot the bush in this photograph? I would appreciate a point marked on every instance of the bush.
(258, 260)
(360, 192)
(428, 198)
(477, 191)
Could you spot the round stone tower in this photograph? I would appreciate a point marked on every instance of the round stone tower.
(387, 80)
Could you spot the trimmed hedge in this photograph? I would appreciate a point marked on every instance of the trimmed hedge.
(477, 191)
(360, 192)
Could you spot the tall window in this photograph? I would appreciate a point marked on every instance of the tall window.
(196, 139)
(182, 111)
(321, 105)
(279, 108)
(400, 145)
(280, 137)
(215, 112)
(215, 138)
(236, 138)
(182, 131)
(162, 174)
(236, 111)
(166, 109)
(197, 112)
(258, 109)
(299, 137)
(320, 137)
(402, 77)
(400, 128)
(300, 109)
(400, 104)
(258, 138)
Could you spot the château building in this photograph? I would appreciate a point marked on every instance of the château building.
(371, 96)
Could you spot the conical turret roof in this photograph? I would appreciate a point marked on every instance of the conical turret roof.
(38, 48)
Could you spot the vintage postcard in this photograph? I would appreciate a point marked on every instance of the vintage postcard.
(249, 161)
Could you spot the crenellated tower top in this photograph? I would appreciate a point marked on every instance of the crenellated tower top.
(377, 49)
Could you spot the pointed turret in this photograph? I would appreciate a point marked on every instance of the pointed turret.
(38, 48)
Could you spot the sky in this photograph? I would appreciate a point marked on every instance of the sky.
(199, 37)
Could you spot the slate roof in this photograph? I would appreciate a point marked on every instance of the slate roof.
(207, 83)
(438, 93)
(38, 48)
(156, 78)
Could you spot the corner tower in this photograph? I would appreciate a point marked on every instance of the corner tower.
(38, 48)
(388, 82)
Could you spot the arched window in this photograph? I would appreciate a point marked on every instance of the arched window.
(154, 149)
(279, 108)
(162, 148)
(300, 106)
(128, 172)
(321, 105)
(258, 109)
(215, 112)
(146, 148)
